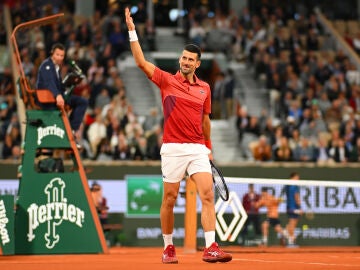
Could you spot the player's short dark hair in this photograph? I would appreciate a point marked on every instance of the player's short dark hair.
(264, 189)
(194, 49)
(293, 174)
(55, 46)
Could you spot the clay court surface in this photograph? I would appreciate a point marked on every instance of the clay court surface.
(128, 258)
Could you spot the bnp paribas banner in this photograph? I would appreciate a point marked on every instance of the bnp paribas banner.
(144, 195)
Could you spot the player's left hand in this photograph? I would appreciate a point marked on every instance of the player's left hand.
(129, 20)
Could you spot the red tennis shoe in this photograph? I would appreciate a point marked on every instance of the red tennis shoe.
(214, 254)
(169, 255)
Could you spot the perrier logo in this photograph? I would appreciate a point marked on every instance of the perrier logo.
(54, 212)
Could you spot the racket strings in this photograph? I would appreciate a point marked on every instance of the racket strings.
(220, 185)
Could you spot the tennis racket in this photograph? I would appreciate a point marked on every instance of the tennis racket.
(309, 214)
(219, 182)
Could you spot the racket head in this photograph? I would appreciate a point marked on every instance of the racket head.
(219, 182)
(309, 215)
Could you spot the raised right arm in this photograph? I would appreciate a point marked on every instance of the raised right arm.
(147, 67)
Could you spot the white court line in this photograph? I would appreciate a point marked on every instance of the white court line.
(297, 262)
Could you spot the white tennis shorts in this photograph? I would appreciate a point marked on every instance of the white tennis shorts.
(180, 158)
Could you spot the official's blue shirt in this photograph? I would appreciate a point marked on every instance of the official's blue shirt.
(48, 78)
(290, 197)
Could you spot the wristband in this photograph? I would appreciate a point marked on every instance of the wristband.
(133, 36)
(208, 144)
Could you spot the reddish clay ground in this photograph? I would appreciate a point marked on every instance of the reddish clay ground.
(276, 258)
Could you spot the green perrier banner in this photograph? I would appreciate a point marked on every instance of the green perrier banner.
(144, 195)
(53, 214)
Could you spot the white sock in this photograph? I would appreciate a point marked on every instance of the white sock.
(291, 240)
(168, 240)
(265, 239)
(209, 238)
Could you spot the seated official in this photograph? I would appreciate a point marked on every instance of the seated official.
(49, 78)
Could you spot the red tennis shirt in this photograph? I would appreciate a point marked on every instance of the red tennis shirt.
(184, 105)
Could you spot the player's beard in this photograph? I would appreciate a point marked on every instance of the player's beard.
(185, 70)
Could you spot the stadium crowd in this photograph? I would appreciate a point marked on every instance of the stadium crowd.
(313, 87)
(314, 98)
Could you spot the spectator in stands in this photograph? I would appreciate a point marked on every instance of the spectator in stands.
(296, 111)
(354, 100)
(253, 126)
(314, 24)
(112, 131)
(197, 34)
(140, 18)
(6, 86)
(320, 124)
(354, 155)
(239, 44)
(12, 142)
(333, 115)
(323, 71)
(104, 151)
(218, 102)
(118, 105)
(154, 142)
(307, 99)
(139, 148)
(28, 66)
(281, 40)
(348, 38)
(122, 149)
(289, 126)
(242, 121)
(283, 152)
(96, 132)
(323, 103)
(84, 33)
(151, 120)
(304, 152)
(332, 88)
(356, 43)
(117, 40)
(295, 40)
(103, 98)
(294, 139)
(312, 41)
(338, 151)
(348, 133)
(357, 127)
(295, 85)
(133, 128)
(4, 119)
(322, 152)
(229, 82)
(262, 150)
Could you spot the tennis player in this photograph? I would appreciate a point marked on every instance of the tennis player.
(293, 209)
(272, 216)
(186, 147)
